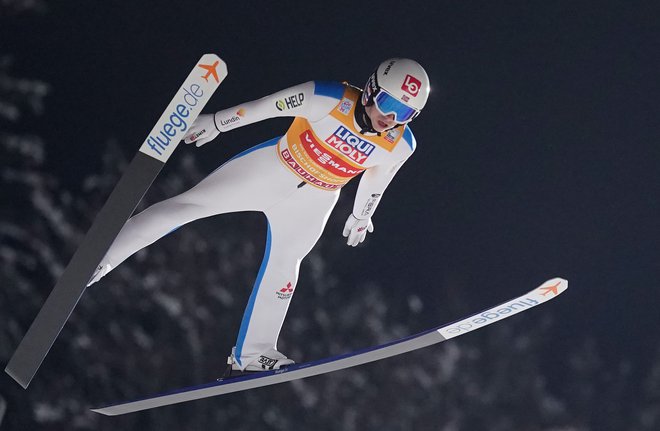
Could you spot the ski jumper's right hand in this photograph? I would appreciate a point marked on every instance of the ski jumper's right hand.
(203, 130)
(356, 230)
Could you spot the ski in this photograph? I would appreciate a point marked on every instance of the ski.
(184, 108)
(541, 294)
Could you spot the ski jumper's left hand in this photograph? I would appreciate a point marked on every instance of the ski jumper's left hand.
(203, 130)
(356, 230)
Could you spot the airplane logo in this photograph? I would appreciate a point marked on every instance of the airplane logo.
(210, 70)
(552, 289)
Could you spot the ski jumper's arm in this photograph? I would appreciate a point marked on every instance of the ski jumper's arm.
(375, 180)
(296, 101)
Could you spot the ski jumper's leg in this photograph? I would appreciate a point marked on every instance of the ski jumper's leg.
(241, 184)
(294, 226)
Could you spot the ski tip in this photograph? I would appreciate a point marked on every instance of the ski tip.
(215, 65)
(553, 287)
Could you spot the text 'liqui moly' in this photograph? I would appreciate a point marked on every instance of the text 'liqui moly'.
(350, 145)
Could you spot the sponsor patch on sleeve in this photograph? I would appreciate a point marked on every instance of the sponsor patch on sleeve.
(345, 106)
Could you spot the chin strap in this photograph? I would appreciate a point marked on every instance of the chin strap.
(363, 119)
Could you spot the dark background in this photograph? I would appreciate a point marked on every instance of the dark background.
(537, 157)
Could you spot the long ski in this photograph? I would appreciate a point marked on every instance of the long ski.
(541, 294)
(184, 108)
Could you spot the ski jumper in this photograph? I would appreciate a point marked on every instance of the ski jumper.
(295, 180)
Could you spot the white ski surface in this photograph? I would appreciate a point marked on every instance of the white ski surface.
(541, 294)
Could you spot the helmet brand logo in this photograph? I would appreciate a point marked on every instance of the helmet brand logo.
(389, 66)
(411, 85)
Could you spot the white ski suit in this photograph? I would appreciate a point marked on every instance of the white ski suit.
(294, 179)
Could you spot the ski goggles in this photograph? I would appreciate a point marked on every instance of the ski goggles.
(388, 104)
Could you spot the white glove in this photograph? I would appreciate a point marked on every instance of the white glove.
(203, 130)
(356, 230)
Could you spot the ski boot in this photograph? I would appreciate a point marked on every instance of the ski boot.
(99, 272)
(269, 360)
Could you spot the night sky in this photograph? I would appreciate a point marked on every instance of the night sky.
(537, 154)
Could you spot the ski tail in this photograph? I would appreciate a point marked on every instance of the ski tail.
(170, 129)
(547, 291)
